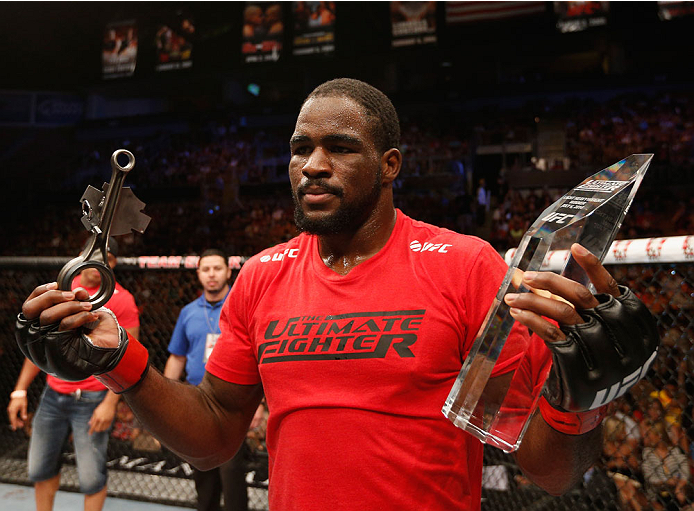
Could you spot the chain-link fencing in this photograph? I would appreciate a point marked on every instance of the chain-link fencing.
(659, 409)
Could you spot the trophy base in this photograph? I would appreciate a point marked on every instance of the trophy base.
(465, 422)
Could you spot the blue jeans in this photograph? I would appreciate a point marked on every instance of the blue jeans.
(55, 417)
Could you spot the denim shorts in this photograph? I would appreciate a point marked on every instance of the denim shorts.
(57, 415)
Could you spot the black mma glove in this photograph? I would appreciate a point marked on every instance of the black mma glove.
(598, 362)
(70, 355)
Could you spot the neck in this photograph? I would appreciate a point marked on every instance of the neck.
(215, 296)
(342, 252)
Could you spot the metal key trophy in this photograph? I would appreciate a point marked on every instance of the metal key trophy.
(111, 212)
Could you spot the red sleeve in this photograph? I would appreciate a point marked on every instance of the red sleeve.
(233, 358)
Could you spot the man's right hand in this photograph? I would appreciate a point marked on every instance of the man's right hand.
(69, 310)
(17, 412)
(51, 333)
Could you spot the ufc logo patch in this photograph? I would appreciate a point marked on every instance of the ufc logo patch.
(606, 395)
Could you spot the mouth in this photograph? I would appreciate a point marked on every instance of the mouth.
(317, 198)
(315, 194)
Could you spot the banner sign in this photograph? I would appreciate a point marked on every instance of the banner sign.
(668, 10)
(468, 12)
(314, 27)
(40, 108)
(119, 51)
(146, 262)
(413, 23)
(58, 109)
(675, 249)
(578, 16)
(263, 30)
(174, 44)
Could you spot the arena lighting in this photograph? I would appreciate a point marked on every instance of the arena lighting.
(254, 89)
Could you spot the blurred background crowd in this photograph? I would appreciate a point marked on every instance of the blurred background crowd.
(218, 178)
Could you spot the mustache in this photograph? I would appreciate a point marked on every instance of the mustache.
(318, 183)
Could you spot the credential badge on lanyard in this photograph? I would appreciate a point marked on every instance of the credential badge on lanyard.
(210, 341)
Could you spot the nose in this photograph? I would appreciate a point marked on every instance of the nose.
(318, 164)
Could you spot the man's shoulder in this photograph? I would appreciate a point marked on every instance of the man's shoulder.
(268, 260)
(425, 237)
(192, 306)
(265, 267)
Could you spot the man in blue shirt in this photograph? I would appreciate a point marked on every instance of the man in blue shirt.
(194, 336)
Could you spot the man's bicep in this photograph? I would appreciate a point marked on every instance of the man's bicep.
(234, 400)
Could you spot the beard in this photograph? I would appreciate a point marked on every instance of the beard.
(348, 217)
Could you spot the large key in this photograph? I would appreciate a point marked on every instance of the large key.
(115, 211)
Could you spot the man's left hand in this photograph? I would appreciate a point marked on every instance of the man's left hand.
(601, 344)
(529, 308)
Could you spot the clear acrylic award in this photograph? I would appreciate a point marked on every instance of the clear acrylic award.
(590, 214)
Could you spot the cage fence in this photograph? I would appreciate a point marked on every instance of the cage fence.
(660, 408)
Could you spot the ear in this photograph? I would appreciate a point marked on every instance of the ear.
(391, 163)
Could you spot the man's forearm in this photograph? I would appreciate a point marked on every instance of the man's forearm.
(555, 461)
(188, 421)
(111, 399)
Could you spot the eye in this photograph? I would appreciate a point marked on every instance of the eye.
(341, 149)
(301, 150)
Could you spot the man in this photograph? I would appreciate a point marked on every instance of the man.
(483, 201)
(194, 336)
(85, 408)
(355, 333)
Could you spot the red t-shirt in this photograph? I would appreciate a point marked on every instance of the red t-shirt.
(356, 368)
(123, 306)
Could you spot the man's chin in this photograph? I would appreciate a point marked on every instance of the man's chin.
(343, 219)
(318, 224)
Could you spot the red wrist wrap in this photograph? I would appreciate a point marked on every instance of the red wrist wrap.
(130, 370)
(571, 423)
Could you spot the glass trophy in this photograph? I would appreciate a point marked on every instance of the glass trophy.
(590, 214)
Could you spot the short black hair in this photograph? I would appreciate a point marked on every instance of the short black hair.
(213, 252)
(385, 123)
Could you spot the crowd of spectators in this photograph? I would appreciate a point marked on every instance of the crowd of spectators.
(649, 438)
(218, 173)
(632, 123)
(647, 451)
